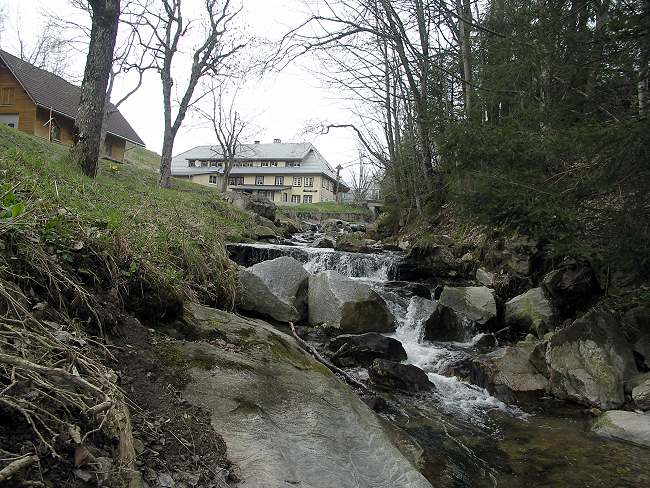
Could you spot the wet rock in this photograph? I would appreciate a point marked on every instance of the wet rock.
(572, 286)
(460, 312)
(589, 361)
(408, 289)
(353, 242)
(626, 426)
(484, 277)
(340, 303)
(514, 373)
(275, 288)
(405, 377)
(636, 327)
(485, 342)
(641, 395)
(289, 226)
(264, 233)
(428, 261)
(324, 242)
(530, 312)
(361, 350)
(284, 416)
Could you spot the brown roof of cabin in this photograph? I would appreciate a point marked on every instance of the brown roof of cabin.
(53, 92)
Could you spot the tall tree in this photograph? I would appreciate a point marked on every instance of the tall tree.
(210, 56)
(90, 116)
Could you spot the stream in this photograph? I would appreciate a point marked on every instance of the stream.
(459, 435)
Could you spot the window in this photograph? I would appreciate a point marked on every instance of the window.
(264, 164)
(191, 164)
(323, 182)
(213, 179)
(285, 197)
(274, 163)
(259, 180)
(297, 181)
(236, 180)
(306, 199)
(295, 198)
(204, 164)
(293, 164)
(279, 180)
(7, 96)
(309, 182)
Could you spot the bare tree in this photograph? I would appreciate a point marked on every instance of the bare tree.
(90, 115)
(209, 57)
(227, 123)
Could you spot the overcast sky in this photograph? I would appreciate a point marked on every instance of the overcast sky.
(280, 104)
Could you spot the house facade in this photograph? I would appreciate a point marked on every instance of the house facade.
(40, 103)
(285, 173)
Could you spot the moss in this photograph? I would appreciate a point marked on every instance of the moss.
(172, 356)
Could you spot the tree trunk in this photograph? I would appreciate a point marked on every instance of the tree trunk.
(166, 159)
(90, 115)
(464, 29)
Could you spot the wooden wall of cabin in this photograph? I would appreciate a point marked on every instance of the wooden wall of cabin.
(64, 123)
(114, 148)
(19, 104)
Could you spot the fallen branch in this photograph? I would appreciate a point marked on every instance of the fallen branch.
(17, 465)
(312, 350)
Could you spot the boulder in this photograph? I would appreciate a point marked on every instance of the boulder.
(626, 426)
(289, 226)
(461, 312)
(636, 327)
(427, 261)
(262, 232)
(287, 420)
(275, 289)
(405, 377)
(485, 342)
(262, 207)
(484, 277)
(530, 312)
(572, 286)
(589, 361)
(324, 242)
(361, 350)
(514, 373)
(641, 395)
(407, 289)
(353, 242)
(347, 305)
(635, 381)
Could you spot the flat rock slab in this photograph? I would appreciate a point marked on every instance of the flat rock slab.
(626, 426)
(287, 420)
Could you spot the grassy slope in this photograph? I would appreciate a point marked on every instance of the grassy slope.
(141, 157)
(174, 236)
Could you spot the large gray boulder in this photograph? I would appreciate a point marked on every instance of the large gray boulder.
(514, 373)
(571, 286)
(286, 419)
(276, 288)
(530, 312)
(346, 305)
(626, 426)
(461, 312)
(589, 361)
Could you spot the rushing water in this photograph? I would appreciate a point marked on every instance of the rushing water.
(459, 435)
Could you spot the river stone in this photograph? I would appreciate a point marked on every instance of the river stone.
(571, 286)
(627, 426)
(484, 277)
(590, 360)
(514, 373)
(460, 312)
(347, 305)
(635, 381)
(287, 420)
(530, 312)
(405, 377)
(641, 395)
(360, 350)
(324, 242)
(275, 289)
(636, 327)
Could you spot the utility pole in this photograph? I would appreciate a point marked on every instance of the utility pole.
(338, 178)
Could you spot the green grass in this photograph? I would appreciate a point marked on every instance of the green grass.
(171, 237)
(326, 207)
(141, 157)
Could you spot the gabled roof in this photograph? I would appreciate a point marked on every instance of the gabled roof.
(311, 161)
(50, 91)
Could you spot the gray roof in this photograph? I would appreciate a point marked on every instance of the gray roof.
(53, 92)
(311, 161)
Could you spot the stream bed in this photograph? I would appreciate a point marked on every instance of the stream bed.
(459, 435)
